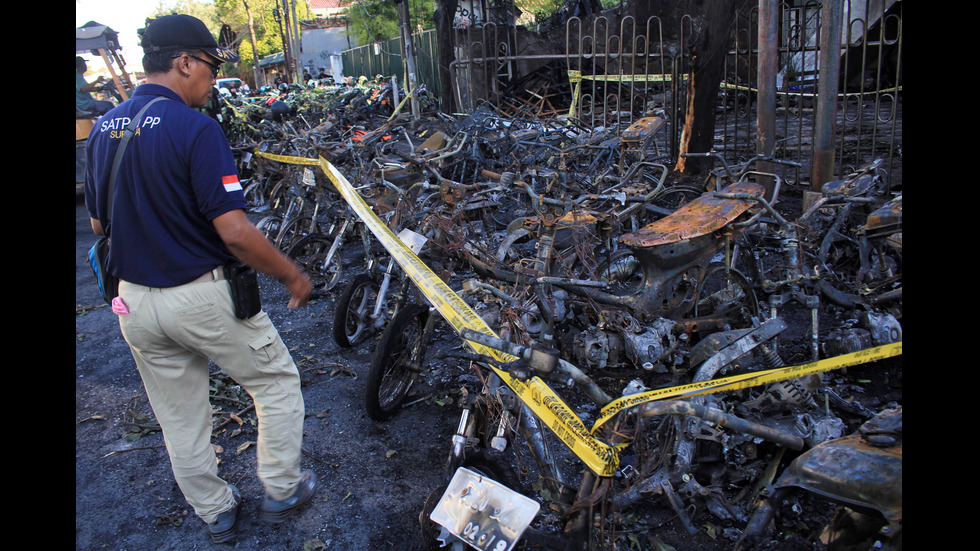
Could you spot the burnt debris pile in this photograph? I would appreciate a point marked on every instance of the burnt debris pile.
(663, 350)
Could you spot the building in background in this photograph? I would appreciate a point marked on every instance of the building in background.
(322, 39)
(321, 42)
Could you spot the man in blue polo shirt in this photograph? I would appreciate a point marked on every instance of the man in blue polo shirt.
(177, 219)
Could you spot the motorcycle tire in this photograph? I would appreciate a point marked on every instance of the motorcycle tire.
(310, 253)
(390, 377)
(270, 226)
(351, 322)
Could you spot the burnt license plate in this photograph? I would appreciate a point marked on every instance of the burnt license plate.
(483, 512)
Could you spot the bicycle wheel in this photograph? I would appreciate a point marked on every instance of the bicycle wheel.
(310, 253)
(391, 376)
(352, 323)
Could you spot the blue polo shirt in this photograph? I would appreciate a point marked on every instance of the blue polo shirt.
(177, 175)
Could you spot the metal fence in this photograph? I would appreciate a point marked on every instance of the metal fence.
(623, 70)
(868, 121)
(385, 58)
(617, 71)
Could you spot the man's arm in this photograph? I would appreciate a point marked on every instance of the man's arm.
(96, 226)
(92, 86)
(248, 244)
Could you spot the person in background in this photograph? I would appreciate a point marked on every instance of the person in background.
(83, 90)
(212, 107)
(178, 219)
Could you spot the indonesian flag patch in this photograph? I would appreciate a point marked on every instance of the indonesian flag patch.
(231, 183)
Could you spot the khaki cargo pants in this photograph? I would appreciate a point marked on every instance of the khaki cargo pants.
(172, 332)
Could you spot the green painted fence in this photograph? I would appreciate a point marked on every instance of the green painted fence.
(386, 58)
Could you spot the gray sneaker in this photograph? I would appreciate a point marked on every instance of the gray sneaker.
(224, 527)
(277, 511)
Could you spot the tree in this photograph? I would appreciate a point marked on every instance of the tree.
(203, 11)
(374, 21)
(714, 20)
(252, 41)
(251, 20)
(444, 30)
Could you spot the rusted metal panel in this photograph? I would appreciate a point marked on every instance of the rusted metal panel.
(433, 143)
(888, 216)
(643, 129)
(864, 470)
(702, 216)
(577, 217)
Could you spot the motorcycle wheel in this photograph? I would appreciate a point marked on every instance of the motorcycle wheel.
(390, 377)
(351, 323)
(429, 530)
(671, 199)
(279, 197)
(255, 197)
(269, 226)
(310, 253)
(726, 292)
(293, 231)
(622, 271)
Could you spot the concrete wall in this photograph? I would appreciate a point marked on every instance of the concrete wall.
(322, 48)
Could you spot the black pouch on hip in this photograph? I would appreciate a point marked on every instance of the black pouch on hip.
(244, 282)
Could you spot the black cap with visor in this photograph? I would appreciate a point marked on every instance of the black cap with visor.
(172, 33)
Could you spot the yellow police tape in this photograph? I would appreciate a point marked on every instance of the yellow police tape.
(289, 159)
(601, 458)
(747, 380)
(576, 77)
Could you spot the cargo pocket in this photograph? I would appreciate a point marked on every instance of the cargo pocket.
(270, 353)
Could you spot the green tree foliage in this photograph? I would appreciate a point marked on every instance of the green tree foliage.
(545, 8)
(215, 13)
(201, 10)
(376, 20)
(541, 8)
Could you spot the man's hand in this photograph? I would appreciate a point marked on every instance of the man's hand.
(300, 289)
(251, 247)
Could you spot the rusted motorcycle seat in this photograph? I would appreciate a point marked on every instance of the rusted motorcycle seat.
(701, 216)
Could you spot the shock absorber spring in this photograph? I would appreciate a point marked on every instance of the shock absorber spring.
(770, 358)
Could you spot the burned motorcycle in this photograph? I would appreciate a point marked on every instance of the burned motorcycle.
(861, 472)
